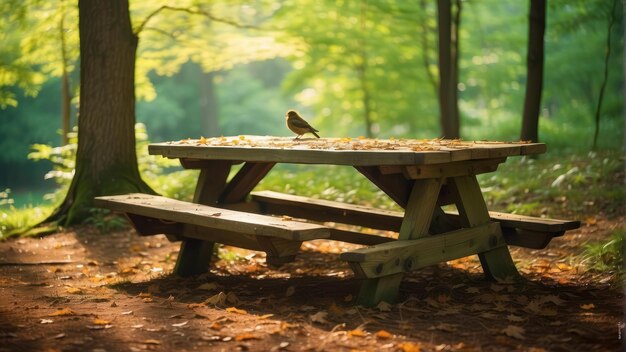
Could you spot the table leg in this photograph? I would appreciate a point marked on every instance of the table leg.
(195, 255)
(417, 218)
(497, 263)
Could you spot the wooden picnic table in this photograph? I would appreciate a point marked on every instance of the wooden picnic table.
(419, 175)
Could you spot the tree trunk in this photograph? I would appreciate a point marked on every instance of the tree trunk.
(66, 97)
(448, 76)
(106, 161)
(534, 63)
(605, 78)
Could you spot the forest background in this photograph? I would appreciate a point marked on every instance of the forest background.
(352, 69)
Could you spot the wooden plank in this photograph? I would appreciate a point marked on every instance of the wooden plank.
(325, 210)
(196, 261)
(420, 209)
(380, 289)
(216, 218)
(397, 187)
(244, 181)
(497, 263)
(459, 168)
(528, 222)
(357, 237)
(300, 156)
(533, 148)
(529, 239)
(188, 163)
(403, 256)
(211, 181)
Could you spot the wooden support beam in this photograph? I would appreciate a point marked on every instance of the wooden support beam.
(395, 186)
(244, 181)
(403, 256)
(459, 168)
(497, 263)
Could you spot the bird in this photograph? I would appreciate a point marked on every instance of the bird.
(298, 125)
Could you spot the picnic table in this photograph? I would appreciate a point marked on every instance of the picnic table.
(421, 176)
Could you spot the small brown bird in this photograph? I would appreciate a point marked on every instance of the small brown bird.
(298, 125)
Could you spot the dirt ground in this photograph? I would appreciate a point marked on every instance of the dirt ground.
(81, 290)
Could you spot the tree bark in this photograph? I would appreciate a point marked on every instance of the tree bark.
(534, 63)
(66, 97)
(448, 70)
(605, 77)
(106, 161)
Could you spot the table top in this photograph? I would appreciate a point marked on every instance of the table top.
(341, 151)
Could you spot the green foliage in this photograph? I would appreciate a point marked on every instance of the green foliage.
(105, 222)
(606, 256)
(557, 184)
(339, 183)
(13, 219)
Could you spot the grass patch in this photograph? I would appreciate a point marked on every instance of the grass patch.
(606, 256)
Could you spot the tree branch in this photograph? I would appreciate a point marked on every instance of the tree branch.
(192, 12)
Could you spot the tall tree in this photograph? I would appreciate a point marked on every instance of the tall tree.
(605, 77)
(106, 162)
(534, 64)
(448, 27)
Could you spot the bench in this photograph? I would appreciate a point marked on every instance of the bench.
(150, 214)
(518, 230)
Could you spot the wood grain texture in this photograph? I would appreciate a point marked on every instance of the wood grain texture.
(403, 256)
(325, 210)
(219, 219)
(340, 151)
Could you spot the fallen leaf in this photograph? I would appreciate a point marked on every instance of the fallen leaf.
(62, 312)
(265, 316)
(127, 312)
(235, 310)
(178, 325)
(384, 306)
(99, 321)
(290, 291)
(383, 334)
(587, 306)
(215, 326)
(216, 300)
(144, 295)
(245, 337)
(59, 336)
(515, 332)
(152, 342)
(357, 333)
(409, 347)
(74, 290)
(347, 298)
(444, 327)
(46, 321)
(319, 317)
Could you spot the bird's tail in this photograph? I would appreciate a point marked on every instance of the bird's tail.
(313, 131)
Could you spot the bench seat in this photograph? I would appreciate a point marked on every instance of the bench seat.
(152, 214)
(518, 230)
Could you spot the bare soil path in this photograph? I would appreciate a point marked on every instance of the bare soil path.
(80, 290)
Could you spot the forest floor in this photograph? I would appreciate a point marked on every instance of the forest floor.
(82, 290)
